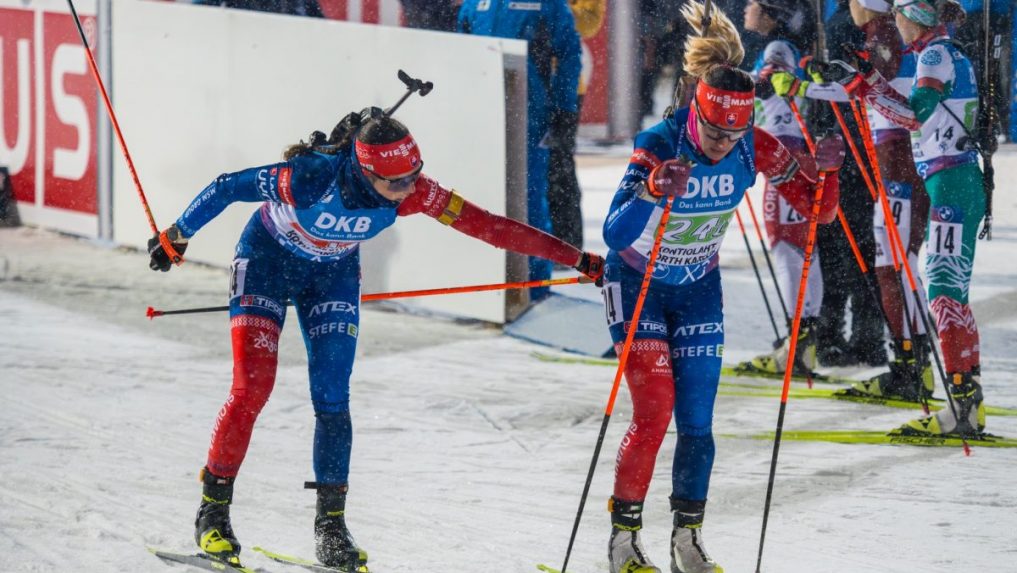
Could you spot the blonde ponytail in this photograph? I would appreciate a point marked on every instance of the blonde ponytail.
(720, 45)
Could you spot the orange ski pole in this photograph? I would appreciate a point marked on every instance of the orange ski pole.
(116, 128)
(793, 346)
(891, 226)
(153, 313)
(622, 361)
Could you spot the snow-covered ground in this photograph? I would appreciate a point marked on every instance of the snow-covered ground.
(470, 455)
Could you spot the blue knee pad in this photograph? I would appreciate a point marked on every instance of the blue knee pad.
(333, 442)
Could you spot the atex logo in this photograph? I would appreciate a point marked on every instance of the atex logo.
(704, 328)
(343, 223)
(333, 306)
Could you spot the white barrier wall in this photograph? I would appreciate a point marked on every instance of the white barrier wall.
(48, 113)
(200, 91)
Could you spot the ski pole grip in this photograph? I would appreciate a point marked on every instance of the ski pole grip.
(171, 252)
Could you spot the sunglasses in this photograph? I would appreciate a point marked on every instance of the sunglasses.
(720, 135)
(400, 182)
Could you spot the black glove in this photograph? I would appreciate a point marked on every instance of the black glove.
(561, 132)
(592, 265)
(161, 259)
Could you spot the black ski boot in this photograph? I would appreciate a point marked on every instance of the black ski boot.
(966, 395)
(212, 530)
(776, 362)
(334, 544)
(625, 551)
(909, 378)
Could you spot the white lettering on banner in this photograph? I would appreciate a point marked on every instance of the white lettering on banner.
(704, 328)
(70, 163)
(47, 135)
(524, 6)
(15, 157)
(710, 186)
(342, 223)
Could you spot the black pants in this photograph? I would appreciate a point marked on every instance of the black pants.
(843, 281)
(564, 197)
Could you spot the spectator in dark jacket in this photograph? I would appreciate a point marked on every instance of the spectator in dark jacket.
(295, 7)
(431, 14)
(840, 270)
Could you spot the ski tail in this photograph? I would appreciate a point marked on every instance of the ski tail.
(201, 561)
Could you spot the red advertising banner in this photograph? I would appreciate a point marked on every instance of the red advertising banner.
(56, 96)
(71, 102)
(17, 126)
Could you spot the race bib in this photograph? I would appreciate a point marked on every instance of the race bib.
(613, 303)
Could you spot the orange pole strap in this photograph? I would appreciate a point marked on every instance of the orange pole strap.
(638, 310)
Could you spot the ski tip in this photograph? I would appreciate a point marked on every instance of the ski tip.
(547, 569)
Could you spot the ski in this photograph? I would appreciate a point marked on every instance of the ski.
(893, 437)
(306, 563)
(201, 561)
(755, 391)
(750, 390)
(546, 569)
(725, 371)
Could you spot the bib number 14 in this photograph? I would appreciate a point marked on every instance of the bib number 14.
(945, 238)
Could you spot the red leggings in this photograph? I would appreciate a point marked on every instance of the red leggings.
(255, 355)
(651, 385)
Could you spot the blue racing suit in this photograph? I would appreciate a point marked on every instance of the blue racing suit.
(681, 328)
(302, 246)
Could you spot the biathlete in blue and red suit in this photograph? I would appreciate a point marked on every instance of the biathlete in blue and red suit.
(302, 245)
(705, 156)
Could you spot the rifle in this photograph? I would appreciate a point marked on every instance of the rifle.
(988, 121)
